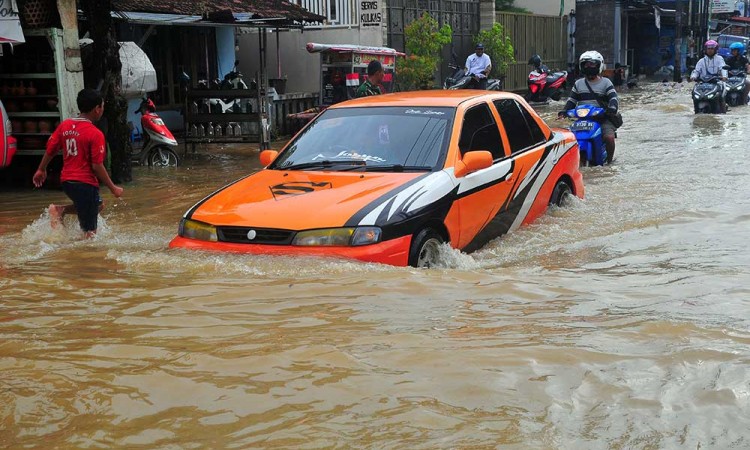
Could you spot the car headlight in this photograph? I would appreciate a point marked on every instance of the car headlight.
(192, 229)
(338, 237)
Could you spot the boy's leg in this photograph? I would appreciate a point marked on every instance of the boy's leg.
(86, 203)
(608, 135)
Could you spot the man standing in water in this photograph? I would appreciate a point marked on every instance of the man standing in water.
(597, 90)
(375, 75)
(84, 149)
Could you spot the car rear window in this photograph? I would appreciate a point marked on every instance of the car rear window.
(523, 131)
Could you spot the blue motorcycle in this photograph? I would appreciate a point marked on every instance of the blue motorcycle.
(588, 132)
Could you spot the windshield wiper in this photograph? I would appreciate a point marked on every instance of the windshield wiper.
(397, 168)
(322, 164)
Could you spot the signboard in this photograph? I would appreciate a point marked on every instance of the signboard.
(10, 26)
(722, 6)
(370, 13)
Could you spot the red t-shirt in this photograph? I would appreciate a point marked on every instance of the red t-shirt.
(82, 145)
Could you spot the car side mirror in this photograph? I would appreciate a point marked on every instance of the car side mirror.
(267, 157)
(472, 162)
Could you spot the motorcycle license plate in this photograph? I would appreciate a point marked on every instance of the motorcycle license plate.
(583, 125)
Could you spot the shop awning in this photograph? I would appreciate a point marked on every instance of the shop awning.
(10, 26)
(312, 47)
(229, 12)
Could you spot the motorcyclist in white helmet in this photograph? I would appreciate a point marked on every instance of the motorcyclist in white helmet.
(594, 89)
(709, 67)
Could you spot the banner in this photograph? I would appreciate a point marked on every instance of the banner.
(722, 6)
(10, 26)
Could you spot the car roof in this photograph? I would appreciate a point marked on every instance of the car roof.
(434, 98)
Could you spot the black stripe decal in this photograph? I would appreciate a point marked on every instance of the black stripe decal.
(362, 213)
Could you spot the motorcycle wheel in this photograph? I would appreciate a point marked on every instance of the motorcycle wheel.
(163, 157)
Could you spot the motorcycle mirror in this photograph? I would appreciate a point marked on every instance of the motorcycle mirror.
(726, 67)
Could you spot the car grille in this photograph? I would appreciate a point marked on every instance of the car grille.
(238, 235)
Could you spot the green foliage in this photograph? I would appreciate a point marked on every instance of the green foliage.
(507, 5)
(424, 40)
(498, 46)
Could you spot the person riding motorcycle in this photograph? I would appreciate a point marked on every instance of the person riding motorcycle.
(712, 66)
(478, 66)
(738, 61)
(536, 62)
(597, 90)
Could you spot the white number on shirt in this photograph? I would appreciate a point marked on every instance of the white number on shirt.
(71, 147)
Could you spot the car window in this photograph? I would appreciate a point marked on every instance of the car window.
(480, 132)
(523, 131)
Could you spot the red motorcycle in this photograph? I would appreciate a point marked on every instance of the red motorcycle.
(7, 142)
(544, 85)
(159, 144)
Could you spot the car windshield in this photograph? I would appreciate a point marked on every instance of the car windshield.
(371, 138)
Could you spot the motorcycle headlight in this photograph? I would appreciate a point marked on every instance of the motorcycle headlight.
(712, 95)
(583, 112)
(158, 122)
(337, 237)
(696, 96)
(192, 229)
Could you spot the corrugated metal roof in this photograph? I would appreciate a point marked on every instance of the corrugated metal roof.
(220, 10)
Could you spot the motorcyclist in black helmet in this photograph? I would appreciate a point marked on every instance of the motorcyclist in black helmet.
(536, 61)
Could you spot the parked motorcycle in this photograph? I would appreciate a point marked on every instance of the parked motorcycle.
(232, 80)
(461, 80)
(736, 88)
(588, 131)
(707, 97)
(544, 85)
(159, 145)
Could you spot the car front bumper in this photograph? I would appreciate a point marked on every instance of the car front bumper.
(394, 252)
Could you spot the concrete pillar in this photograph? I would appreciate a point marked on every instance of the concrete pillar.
(68, 65)
(486, 14)
(618, 32)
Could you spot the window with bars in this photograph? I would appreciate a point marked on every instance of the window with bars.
(337, 12)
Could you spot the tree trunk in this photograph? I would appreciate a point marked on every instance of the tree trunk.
(107, 67)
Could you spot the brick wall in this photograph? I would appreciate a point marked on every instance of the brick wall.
(595, 28)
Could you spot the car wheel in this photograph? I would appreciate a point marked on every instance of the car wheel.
(560, 194)
(163, 157)
(425, 248)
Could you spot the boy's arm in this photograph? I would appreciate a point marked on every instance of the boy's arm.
(98, 151)
(53, 146)
(101, 173)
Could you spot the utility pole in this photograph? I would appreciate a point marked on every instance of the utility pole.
(678, 43)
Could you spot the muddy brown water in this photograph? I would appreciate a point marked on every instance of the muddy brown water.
(619, 322)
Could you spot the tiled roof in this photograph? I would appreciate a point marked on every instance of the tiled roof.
(220, 10)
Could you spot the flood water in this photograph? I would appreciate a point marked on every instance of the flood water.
(622, 321)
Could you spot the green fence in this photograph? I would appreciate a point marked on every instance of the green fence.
(546, 36)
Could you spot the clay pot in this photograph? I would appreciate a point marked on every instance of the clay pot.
(16, 125)
(17, 89)
(5, 90)
(31, 90)
(34, 143)
(52, 103)
(45, 126)
(28, 105)
(30, 126)
(11, 106)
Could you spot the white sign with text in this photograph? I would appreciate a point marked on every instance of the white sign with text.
(370, 13)
(722, 6)
(10, 26)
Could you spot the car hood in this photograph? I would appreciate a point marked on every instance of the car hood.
(297, 200)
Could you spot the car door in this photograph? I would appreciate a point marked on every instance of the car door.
(481, 194)
(528, 145)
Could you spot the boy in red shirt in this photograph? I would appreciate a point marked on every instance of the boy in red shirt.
(84, 149)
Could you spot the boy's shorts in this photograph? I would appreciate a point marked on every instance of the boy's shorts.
(608, 128)
(86, 200)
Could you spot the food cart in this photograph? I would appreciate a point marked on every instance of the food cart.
(343, 68)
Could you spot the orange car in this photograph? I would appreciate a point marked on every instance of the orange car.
(389, 178)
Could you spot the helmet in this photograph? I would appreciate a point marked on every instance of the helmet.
(591, 56)
(739, 46)
(711, 44)
(535, 61)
